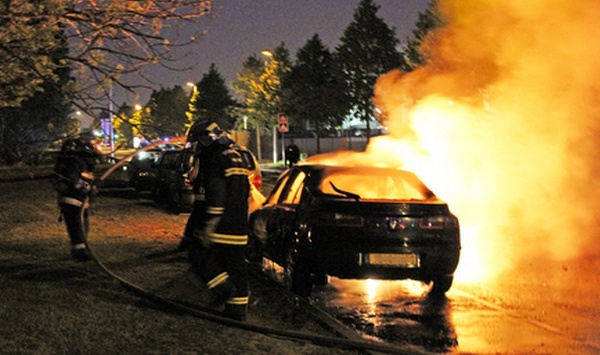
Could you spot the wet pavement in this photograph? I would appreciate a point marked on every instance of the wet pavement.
(543, 309)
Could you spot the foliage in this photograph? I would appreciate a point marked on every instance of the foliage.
(258, 88)
(166, 113)
(27, 130)
(106, 40)
(412, 51)
(311, 92)
(98, 42)
(27, 39)
(213, 100)
(367, 50)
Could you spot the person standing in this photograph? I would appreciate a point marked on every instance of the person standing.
(292, 154)
(220, 232)
(73, 183)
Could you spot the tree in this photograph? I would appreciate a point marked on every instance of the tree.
(167, 109)
(106, 39)
(412, 51)
(213, 101)
(312, 93)
(27, 130)
(367, 50)
(258, 89)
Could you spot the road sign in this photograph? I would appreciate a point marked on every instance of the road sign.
(282, 124)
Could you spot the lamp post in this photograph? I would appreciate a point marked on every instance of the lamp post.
(269, 55)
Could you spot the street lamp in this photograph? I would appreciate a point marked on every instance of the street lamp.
(193, 86)
(267, 53)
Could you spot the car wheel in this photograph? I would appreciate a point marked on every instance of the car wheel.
(441, 284)
(296, 274)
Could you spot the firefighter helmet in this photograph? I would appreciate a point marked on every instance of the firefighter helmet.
(204, 133)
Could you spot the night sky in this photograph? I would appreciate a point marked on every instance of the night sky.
(241, 28)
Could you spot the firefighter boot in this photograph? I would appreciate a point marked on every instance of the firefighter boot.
(80, 252)
(235, 311)
(221, 293)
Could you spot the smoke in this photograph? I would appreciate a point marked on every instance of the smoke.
(503, 124)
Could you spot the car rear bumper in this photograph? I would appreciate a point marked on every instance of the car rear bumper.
(423, 263)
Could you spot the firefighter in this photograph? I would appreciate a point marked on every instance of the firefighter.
(192, 177)
(73, 183)
(220, 234)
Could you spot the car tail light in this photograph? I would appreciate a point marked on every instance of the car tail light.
(438, 222)
(257, 180)
(340, 219)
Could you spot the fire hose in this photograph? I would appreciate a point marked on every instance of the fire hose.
(209, 314)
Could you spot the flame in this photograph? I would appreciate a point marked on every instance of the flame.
(502, 123)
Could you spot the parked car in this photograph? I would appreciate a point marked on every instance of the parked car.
(355, 223)
(172, 187)
(254, 173)
(140, 169)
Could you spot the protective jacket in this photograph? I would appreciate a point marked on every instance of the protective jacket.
(223, 231)
(73, 183)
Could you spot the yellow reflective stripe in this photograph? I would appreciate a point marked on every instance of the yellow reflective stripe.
(217, 280)
(73, 201)
(214, 210)
(236, 171)
(212, 126)
(229, 239)
(238, 301)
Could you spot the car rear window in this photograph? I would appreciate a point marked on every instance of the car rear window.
(375, 185)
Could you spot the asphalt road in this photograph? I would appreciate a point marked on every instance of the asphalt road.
(539, 306)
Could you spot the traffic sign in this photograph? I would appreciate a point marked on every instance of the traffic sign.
(283, 127)
(282, 124)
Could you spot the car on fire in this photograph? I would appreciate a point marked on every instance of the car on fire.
(355, 223)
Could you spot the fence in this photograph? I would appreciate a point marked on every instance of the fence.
(308, 145)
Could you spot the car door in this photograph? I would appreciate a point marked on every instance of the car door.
(262, 221)
(281, 226)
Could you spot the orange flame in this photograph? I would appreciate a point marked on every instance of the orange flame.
(502, 123)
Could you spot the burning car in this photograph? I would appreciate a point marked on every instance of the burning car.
(355, 223)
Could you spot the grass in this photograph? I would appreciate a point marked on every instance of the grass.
(52, 304)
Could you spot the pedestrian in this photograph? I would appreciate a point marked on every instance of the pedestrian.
(220, 227)
(74, 178)
(292, 154)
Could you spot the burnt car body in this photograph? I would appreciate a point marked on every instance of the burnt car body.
(355, 223)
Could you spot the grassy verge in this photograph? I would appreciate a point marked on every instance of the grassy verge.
(52, 304)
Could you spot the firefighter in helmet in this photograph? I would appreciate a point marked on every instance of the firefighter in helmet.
(73, 183)
(220, 230)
